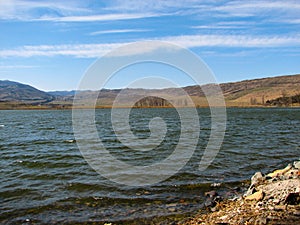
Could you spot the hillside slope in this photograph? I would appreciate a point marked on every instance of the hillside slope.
(259, 91)
(16, 92)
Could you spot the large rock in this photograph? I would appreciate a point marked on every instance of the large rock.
(297, 165)
(257, 178)
(279, 172)
(257, 196)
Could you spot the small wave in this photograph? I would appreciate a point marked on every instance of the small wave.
(1, 125)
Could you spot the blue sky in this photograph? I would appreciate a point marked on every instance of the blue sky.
(50, 44)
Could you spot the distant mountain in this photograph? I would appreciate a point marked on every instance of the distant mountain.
(62, 93)
(16, 92)
(275, 91)
(256, 92)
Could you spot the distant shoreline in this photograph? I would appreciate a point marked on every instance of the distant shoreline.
(19, 107)
(280, 91)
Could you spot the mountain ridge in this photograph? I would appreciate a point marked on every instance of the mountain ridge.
(250, 92)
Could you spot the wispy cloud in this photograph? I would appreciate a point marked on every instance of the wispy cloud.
(188, 41)
(94, 18)
(118, 31)
(247, 41)
(60, 11)
(9, 67)
(215, 27)
(29, 10)
(255, 7)
(81, 11)
(82, 51)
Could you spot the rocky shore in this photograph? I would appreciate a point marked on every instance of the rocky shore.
(273, 198)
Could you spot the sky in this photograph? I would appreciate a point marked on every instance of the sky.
(50, 44)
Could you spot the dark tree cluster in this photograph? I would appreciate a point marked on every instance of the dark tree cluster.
(284, 100)
(152, 101)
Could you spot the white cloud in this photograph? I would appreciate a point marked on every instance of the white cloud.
(93, 18)
(149, 5)
(256, 8)
(82, 51)
(118, 31)
(82, 11)
(191, 41)
(28, 10)
(217, 26)
(6, 67)
(188, 41)
(62, 11)
(290, 21)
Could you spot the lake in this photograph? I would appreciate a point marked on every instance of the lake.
(45, 179)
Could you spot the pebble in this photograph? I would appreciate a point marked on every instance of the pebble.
(280, 207)
(216, 185)
(172, 209)
(171, 205)
(296, 213)
(70, 141)
(224, 217)
(211, 194)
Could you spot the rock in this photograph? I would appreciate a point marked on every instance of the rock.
(261, 221)
(172, 209)
(297, 213)
(250, 191)
(257, 196)
(70, 141)
(216, 185)
(276, 201)
(211, 194)
(280, 207)
(292, 199)
(223, 217)
(209, 203)
(271, 199)
(297, 165)
(257, 178)
(172, 205)
(280, 172)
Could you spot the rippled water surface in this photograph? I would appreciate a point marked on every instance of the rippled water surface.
(44, 178)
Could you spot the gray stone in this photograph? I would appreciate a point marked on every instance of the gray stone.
(297, 165)
(257, 178)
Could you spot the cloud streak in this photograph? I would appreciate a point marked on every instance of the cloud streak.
(245, 41)
(119, 31)
(59, 11)
(188, 41)
(94, 18)
(80, 11)
(9, 67)
(26, 10)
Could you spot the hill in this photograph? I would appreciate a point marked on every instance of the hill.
(247, 93)
(273, 91)
(16, 92)
(260, 91)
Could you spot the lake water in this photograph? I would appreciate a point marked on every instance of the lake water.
(45, 179)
